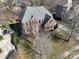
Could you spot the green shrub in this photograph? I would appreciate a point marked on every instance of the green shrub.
(15, 38)
(1, 37)
(0, 51)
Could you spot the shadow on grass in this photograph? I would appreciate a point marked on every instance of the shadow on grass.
(16, 28)
(57, 38)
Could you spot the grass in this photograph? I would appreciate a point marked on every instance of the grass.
(72, 55)
(59, 34)
(15, 38)
(59, 45)
(5, 25)
(6, 22)
(77, 52)
(26, 51)
(24, 45)
(1, 37)
(28, 54)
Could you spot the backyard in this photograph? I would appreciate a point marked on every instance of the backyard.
(60, 46)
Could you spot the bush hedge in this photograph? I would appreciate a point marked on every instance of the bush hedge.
(1, 37)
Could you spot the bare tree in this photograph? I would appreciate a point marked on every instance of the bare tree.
(38, 2)
(72, 21)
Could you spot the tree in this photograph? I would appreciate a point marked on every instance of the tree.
(9, 3)
(72, 21)
(1, 37)
(38, 2)
(0, 51)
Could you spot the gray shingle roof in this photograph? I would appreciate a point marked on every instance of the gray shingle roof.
(38, 12)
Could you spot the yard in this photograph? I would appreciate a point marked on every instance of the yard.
(23, 48)
(22, 53)
(1, 37)
(60, 46)
(72, 55)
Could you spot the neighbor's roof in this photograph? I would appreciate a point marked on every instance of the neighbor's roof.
(38, 12)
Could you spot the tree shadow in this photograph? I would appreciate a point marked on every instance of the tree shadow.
(16, 28)
(9, 54)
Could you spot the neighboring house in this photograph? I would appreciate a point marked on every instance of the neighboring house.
(36, 18)
(60, 8)
(59, 12)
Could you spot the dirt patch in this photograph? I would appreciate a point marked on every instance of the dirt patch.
(18, 54)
